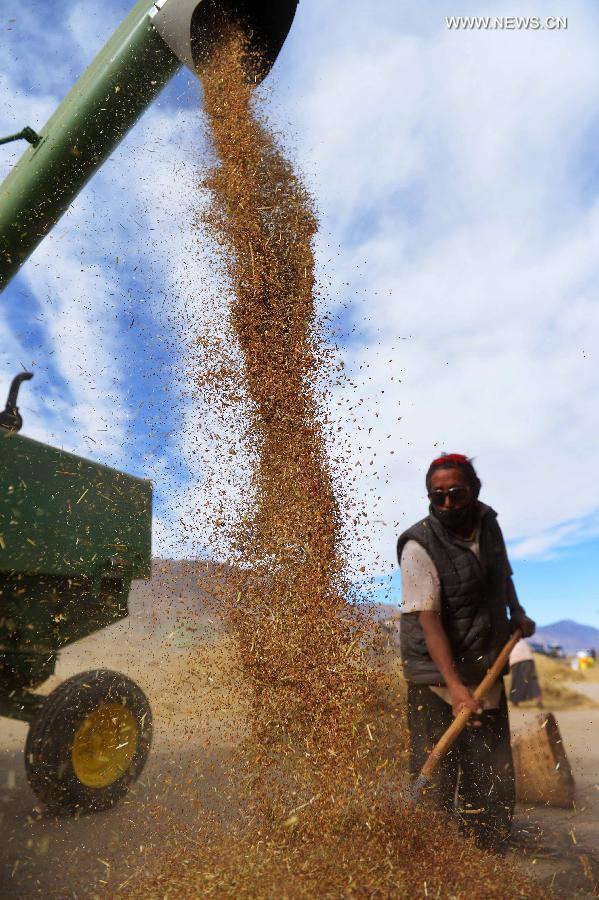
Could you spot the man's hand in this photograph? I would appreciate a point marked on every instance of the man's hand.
(460, 697)
(526, 625)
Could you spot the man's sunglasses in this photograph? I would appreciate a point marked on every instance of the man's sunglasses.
(455, 494)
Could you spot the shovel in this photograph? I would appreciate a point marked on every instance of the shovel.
(460, 721)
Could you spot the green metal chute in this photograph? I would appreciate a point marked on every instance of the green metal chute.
(122, 81)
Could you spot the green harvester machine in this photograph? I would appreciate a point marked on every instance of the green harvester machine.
(74, 533)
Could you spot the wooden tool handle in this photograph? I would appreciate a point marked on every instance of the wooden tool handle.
(459, 723)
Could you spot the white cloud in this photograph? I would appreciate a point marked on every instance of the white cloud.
(449, 169)
(460, 216)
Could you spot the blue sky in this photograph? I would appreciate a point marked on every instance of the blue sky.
(456, 178)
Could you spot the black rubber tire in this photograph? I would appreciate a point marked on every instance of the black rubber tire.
(48, 762)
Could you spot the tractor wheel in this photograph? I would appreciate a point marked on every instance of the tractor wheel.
(89, 742)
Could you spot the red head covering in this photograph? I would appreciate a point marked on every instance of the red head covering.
(457, 458)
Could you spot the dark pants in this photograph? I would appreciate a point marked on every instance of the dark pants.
(475, 779)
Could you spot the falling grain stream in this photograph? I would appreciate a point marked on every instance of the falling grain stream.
(320, 813)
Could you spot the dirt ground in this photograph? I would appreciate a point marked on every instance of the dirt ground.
(196, 724)
(198, 719)
(561, 847)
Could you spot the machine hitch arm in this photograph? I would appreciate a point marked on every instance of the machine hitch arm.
(26, 134)
(10, 417)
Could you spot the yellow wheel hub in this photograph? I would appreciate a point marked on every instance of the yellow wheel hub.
(104, 745)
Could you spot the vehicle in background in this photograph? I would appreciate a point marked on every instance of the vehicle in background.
(556, 651)
(584, 659)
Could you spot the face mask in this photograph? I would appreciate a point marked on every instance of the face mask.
(454, 518)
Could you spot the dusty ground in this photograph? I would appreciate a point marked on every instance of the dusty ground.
(561, 847)
(198, 718)
(195, 718)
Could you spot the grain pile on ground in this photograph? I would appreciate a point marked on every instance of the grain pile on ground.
(320, 813)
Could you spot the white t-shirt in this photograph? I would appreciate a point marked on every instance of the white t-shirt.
(420, 586)
(421, 592)
(521, 652)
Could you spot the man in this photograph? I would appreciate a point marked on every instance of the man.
(456, 591)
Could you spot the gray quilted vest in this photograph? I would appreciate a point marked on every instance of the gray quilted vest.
(474, 597)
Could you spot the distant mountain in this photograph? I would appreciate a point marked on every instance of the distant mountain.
(571, 635)
(384, 611)
(184, 587)
(180, 590)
